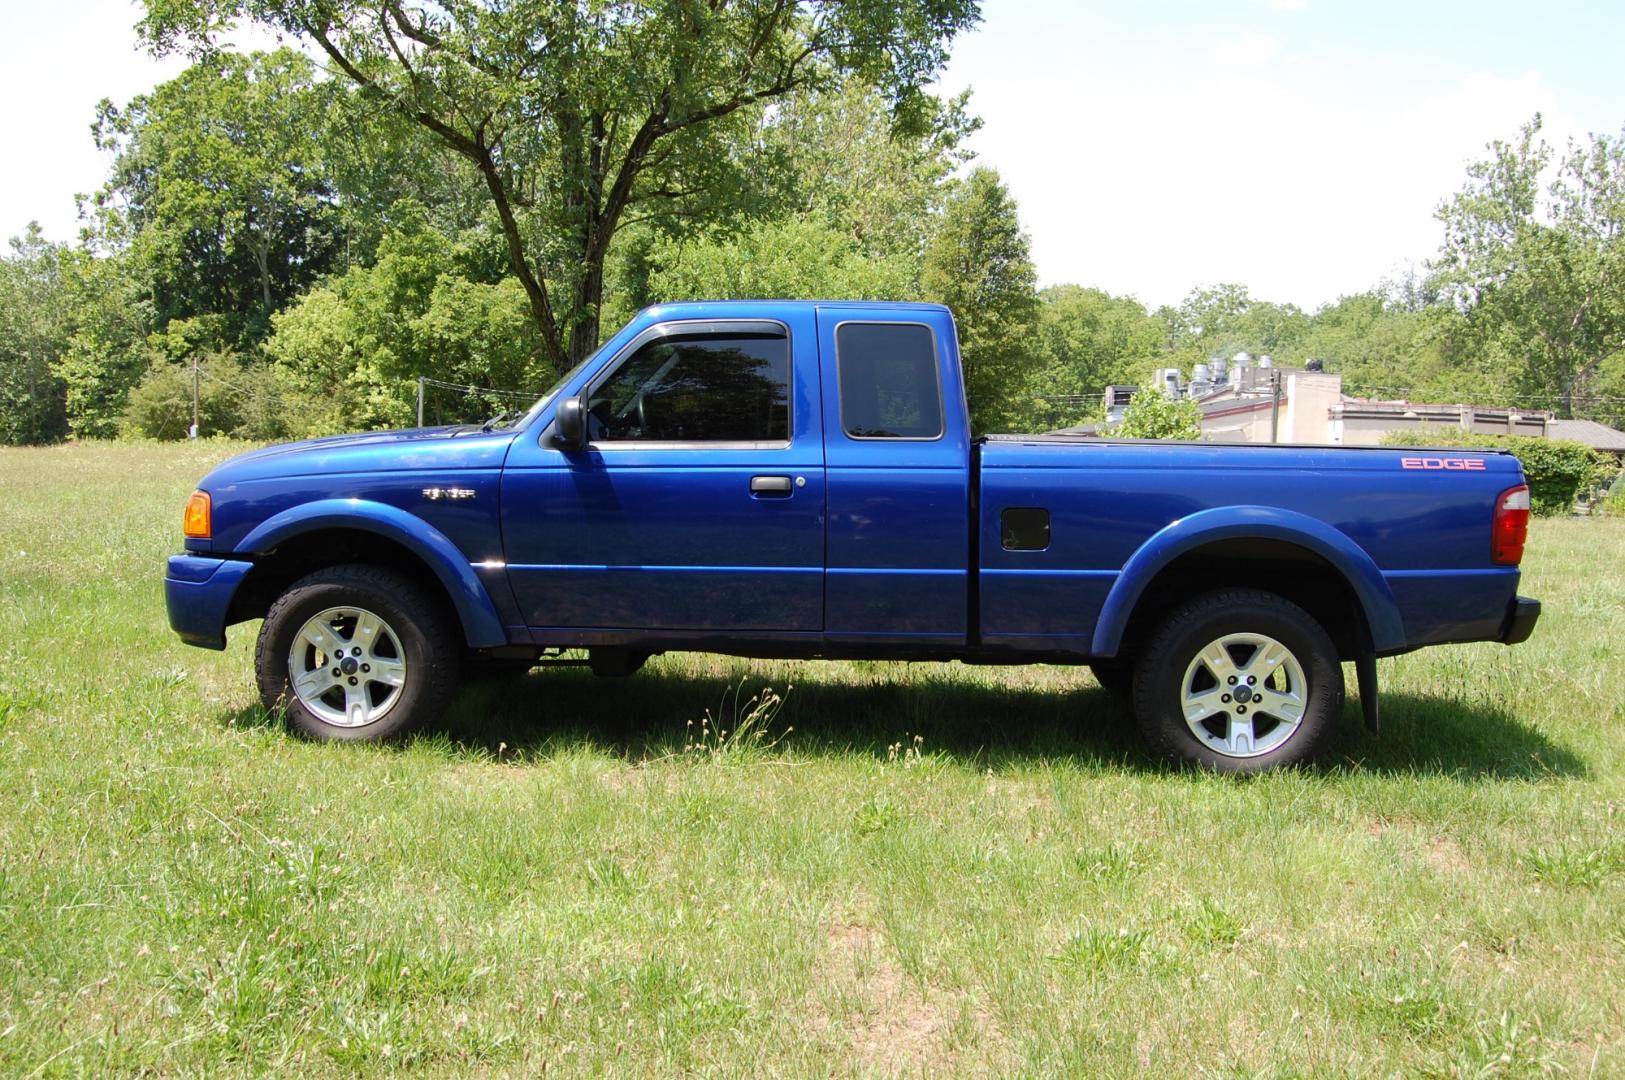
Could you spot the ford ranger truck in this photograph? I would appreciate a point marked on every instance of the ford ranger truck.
(799, 480)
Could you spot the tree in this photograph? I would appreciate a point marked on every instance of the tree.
(848, 161)
(35, 321)
(1386, 349)
(378, 162)
(1152, 414)
(1223, 320)
(978, 263)
(107, 353)
(847, 200)
(801, 258)
(218, 190)
(581, 116)
(1539, 270)
(427, 306)
(1088, 340)
(72, 341)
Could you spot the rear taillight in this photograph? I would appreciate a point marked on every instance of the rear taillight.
(1511, 526)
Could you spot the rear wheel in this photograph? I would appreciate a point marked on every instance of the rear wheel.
(356, 652)
(1239, 680)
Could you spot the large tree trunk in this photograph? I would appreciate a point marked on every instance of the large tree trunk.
(535, 290)
(262, 259)
(589, 306)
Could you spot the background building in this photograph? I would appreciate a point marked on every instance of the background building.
(1244, 400)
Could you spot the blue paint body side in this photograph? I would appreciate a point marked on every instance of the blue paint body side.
(883, 547)
(1413, 546)
(898, 536)
(635, 538)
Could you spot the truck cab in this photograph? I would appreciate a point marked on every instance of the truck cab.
(751, 474)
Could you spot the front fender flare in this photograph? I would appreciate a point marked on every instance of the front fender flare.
(1251, 522)
(481, 625)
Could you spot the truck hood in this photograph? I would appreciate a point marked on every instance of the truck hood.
(455, 447)
(365, 438)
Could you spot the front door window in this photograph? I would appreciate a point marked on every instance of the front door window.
(729, 388)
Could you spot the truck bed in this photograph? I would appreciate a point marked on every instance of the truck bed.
(1419, 533)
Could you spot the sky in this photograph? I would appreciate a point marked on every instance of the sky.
(1298, 147)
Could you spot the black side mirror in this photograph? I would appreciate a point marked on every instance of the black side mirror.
(570, 423)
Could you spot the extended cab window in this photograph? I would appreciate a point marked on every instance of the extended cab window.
(888, 377)
(711, 388)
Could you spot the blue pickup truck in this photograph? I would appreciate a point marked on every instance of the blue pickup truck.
(795, 479)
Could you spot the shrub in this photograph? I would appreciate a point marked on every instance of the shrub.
(1152, 414)
(246, 402)
(160, 407)
(1557, 470)
(1613, 504)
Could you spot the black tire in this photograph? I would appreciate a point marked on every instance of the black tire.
(1116, 677)
(418, 627)
(1225, 620)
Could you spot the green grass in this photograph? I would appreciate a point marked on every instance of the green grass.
(894, 870)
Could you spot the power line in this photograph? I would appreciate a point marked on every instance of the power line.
(524, 395)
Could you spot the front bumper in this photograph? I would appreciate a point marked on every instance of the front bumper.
(1522, 614)
(198, 592)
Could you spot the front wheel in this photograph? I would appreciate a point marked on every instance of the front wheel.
(356, 652)
(1239, 680)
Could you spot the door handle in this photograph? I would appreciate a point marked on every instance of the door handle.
(773, 486)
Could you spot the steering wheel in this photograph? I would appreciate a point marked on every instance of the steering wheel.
(643, 415)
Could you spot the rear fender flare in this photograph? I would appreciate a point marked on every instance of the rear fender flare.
(481, 626)
(1251, 522)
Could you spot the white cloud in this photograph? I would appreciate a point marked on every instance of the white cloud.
(1245, 50)
(1288, 5)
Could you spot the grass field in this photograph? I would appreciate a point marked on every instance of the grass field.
(928, 870)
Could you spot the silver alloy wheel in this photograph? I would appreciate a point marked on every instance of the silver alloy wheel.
(1244, 695)
(347, 667)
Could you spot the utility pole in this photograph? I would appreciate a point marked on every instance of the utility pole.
(1275, 405)
(193, 433)
(420, 401)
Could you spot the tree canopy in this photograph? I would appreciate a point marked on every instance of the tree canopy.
(217, 185)
(471, 192)
(1088, 340)
(1538, 265)
(34, 321)
(1152, 414)
(581, 116)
